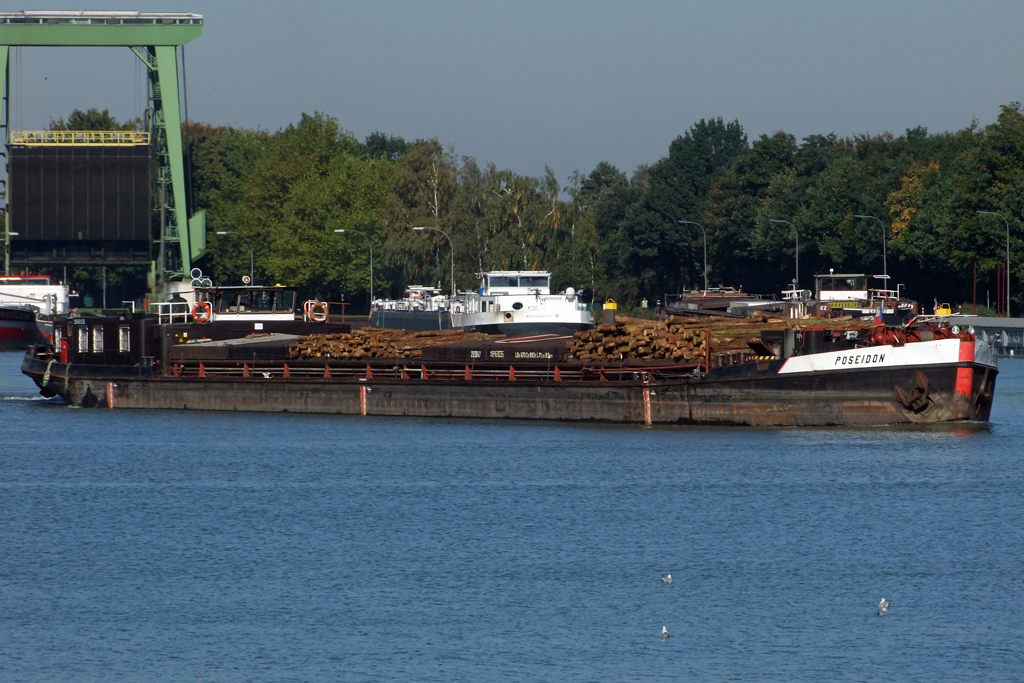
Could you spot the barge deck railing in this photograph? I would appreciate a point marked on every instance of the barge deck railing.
(425, 371)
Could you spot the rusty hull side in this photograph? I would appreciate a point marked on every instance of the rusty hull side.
(855, 398)
(840, 398)
(419, 398)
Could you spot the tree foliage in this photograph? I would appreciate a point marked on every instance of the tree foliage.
(615, 235)
(93, 119)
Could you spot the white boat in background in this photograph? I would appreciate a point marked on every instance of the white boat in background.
(423, 309)
(519, 303)
(28, 304)
(515, 303)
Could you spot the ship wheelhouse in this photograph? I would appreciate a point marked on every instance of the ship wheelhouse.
(250, 303)
(841, 287)
(510, 282)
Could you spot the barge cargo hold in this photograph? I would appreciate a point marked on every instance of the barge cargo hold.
(944, 376)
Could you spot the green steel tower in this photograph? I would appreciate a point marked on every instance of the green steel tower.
(154, 38)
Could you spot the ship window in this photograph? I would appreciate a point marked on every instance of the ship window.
(518, 305)
(226, 303)
(263, 302)
(56, 337)
(97, 339)
(503, 281)
(534, 281)
(123, 339)
(284, 302)
(83, 340)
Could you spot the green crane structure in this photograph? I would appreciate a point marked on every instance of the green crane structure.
(154, 37)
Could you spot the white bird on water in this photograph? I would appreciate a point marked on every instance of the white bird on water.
(883, 607)
(664, 633)
(666, 578)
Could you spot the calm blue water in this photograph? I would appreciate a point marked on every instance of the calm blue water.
(160, 546)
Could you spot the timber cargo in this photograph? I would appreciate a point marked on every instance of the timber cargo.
(766, 373)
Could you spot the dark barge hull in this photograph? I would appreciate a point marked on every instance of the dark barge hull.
(530, 329)
(751, 394)
(421, 321)
(418, 321)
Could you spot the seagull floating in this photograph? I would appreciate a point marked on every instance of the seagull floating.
(664, 633)
(666, 578)
(883, 607)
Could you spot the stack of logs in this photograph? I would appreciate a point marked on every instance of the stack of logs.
(672, 340)
(675, 340)
(370, 342)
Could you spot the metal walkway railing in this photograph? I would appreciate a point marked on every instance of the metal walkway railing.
(405, 371)
(79, 138)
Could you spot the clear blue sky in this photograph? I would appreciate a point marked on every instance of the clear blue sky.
(525, 84)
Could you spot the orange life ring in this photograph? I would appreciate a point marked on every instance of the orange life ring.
(318, 312)
(202, 312)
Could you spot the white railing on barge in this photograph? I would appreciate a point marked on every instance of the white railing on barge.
(170, 312)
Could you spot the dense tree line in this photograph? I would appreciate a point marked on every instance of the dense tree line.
(617, 235)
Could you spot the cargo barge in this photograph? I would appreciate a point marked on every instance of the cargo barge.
(786, 377)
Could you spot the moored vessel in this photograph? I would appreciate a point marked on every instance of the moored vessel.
(786, 376)
(422, 308)
(711, 301)
(28, 304)
(849, 294)
(510, 302)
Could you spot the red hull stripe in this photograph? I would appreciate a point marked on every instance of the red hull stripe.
(965, 376)
(18, 332)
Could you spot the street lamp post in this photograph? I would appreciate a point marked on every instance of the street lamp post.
(993, 213)
(252, 258)
(421, 228)
(885, 270)
(370, 244)
(705, 233)
(796, 235)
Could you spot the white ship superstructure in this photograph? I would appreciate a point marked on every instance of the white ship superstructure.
(518, 302)
(512, 302)
(27, 306)
(34, 292)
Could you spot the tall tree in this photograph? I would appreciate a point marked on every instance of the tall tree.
(662, 255)
(306, 181)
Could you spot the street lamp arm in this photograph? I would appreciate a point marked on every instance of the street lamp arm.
(885, 238)
(705, 233)
(450, 244)
(1007, 223)
(370, 245)
(796, 236)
